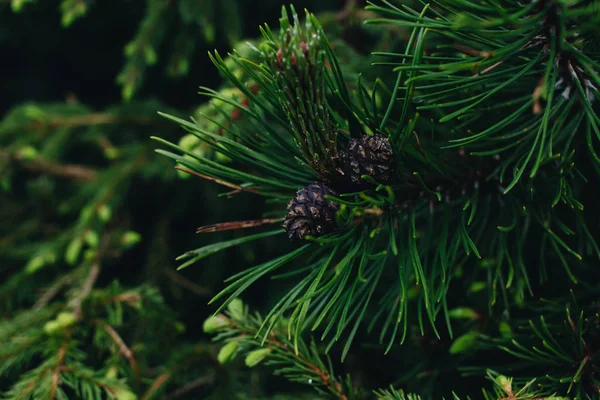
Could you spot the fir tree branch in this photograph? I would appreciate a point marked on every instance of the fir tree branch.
(296, 361)
(86, 289)
(62, 351)
(123, 348)
(88, 284)
(324, 376)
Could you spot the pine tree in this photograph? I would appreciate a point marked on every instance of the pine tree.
(459, 240)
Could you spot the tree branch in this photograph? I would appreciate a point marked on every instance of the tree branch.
(123, 348)
(328, 381)
(90, 120)
(193, 385)
(70, 171)
(52, 291)
(62, 351)
(89, 282)
(158, 382)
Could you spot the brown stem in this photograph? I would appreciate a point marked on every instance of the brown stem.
(123, 348)
(76, 303)
(90, 120)
(52, 291)
(193, 385)
(225, 226)
(47, 167)
(327, 380)
(86, 289)
(158, 382)
(62, 351)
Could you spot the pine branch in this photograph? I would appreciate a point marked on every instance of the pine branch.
(441, 211)
(538, 45)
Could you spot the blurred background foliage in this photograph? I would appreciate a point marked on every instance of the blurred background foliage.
(91, 219)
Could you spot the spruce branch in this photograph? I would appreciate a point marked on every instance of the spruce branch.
(59, 366)
(299, 363)
(124, 350)
(76, 303)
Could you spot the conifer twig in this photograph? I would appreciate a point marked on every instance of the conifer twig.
(324, 376)
(62, 351)
(90, 120)
(86, 289)
(123, 348)
(47, 167)
(158, 382)
(190, 386)
(91, 279)
(52, 291)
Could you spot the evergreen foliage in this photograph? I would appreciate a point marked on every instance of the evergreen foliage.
(408, 205)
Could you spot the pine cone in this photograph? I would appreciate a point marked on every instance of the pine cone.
(368, 155)
(310, 213)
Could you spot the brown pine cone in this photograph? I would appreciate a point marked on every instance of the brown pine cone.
(368, 155)
(309, 213)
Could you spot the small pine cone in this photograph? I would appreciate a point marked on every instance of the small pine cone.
(368, 155)
(310, 213)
